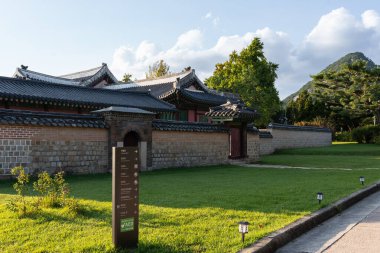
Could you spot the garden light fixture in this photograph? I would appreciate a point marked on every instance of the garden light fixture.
(361, 179)
(243, 228)
(319, 197)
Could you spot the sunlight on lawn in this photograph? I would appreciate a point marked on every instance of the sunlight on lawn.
(193, 209)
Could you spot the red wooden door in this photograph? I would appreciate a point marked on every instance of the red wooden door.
(235, 143)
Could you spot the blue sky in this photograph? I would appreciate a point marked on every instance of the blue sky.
(58, 37)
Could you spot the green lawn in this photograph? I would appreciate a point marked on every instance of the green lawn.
(348, 156)
(188, 210)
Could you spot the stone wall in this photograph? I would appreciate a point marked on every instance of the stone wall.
(266, 146)
(166, 144)
(184, 149)
(286, 136)
(78, 150)
(253, 147)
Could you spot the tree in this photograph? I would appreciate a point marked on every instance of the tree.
(127, 78)
(305, 108)
(159, 68)
(351, 95)
(251, 76)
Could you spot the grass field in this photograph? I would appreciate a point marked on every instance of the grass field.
(348, 156)
(194, 209)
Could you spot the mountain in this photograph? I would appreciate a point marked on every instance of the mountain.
(347, 59)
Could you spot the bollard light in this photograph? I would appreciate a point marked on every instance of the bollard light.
(243, 228)
(361, 179)
(319, 197)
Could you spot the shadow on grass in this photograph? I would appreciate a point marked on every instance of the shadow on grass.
(226, 187)
(158, 248)
(143, 247)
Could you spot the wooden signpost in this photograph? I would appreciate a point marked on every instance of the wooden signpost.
(125, 192)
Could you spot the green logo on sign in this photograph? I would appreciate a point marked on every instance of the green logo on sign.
(126, 224)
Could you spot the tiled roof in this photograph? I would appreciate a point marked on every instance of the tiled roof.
(82, 74)
(179, 83)
(165, 79)
(265, 134)
(166, 125)
(32, 75)
(203, 97)
(152, 84)
(123, 110)
(298, 128)
(85, 78)
(234, 111)
(251, 128)
(100, 74)
(155, 90)
(15, 117)
(13, 88)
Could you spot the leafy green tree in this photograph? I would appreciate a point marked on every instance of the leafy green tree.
(127, 78)
(252, 76)
(305, 108)
(158, 69)
(351, 95)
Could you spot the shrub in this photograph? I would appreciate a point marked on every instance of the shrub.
(343, 136)
(317, 122)
(366, 134)
(53, 191)
(20, 204)
(72, 206)
(376, 140)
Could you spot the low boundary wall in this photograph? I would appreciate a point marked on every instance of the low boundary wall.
(279, 136)
(76, 145)
(184, 144)
(80, 143)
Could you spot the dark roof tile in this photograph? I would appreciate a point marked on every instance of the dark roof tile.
(235, 111)
(298, 128)
(100, 98)
(166, 125)
(265, 134)
(50, 119)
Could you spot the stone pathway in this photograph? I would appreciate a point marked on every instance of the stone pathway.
(357, 229)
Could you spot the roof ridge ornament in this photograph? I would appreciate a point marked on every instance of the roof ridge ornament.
(176, 84)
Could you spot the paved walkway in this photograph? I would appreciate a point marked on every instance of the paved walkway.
(357, 229)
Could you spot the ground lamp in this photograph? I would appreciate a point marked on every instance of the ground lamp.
(361, 179)
(319, 197)
(243, 228)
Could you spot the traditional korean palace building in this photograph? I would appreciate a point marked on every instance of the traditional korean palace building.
(184, 90)
(71, 122)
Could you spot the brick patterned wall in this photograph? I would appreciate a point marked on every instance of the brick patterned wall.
(253, 147)
(78, 150)
(283, 139)
(14, 152)
(184, 149)
(266, 146)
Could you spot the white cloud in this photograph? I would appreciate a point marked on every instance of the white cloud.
(208, 15)
(337, 33)
(189, 40)
(371, 19)
(145, 50)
